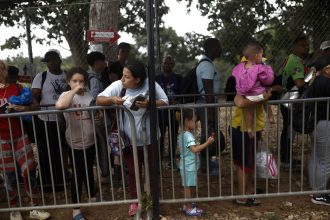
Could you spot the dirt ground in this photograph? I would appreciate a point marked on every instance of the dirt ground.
(273, 207)
(294, 207)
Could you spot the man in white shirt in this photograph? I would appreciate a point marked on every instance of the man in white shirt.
(46, 88)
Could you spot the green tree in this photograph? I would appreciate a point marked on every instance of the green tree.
(69, 19)
(275, 24)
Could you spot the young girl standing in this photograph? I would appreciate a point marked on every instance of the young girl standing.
(251, 78)
(188, 159)
(79, 135)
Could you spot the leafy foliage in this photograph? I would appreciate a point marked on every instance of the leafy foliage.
(237, 22)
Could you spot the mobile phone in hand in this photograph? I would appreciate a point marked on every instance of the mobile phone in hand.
(133, 106)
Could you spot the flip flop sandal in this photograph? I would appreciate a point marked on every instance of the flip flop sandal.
(253, 202)
(247, 202)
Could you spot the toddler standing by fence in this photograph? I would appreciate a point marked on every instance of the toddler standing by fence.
(79, 135)
(251, 78)
(188, 159)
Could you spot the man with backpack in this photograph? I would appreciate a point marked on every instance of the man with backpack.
(208, 81)
(293, 74)
(96, 61)
(171, 84)
(97, 64)
(46, 88)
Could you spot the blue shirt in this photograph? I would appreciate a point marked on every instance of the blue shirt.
(185, 140)
(207, 70)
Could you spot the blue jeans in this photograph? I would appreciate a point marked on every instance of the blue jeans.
(319, 162)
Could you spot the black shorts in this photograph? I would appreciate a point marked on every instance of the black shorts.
(244, 154)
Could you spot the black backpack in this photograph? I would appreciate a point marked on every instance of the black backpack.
(303, 118)
(189, 84)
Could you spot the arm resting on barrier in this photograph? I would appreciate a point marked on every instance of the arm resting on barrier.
(112, 100)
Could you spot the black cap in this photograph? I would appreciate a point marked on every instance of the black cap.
(51, 55)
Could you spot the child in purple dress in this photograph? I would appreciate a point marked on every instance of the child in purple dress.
(251, 78)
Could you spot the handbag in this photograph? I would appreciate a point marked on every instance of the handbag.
(118, 141)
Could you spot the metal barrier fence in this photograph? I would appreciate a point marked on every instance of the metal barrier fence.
(209, 186)
(290, 179)
(55, 193)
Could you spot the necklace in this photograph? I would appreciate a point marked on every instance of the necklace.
(4, 93)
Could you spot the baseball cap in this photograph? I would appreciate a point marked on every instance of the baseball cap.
(325, 45)
(51, 55)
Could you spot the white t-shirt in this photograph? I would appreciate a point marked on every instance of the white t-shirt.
(115, 89)
(53, 87)
(79, 127)
(207, 70)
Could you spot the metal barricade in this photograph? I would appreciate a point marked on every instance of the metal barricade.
(209, 187)
(289, 181)
(57, 194)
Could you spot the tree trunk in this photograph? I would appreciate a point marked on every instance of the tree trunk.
(78, 47)
(103, 16)
(73, 32)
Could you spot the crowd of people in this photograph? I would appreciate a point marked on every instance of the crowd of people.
(125, 83)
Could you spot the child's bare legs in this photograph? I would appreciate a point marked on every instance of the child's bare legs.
(249, 120)
(187, 191)
(244, 182)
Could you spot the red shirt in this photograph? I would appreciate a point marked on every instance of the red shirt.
(5, 93)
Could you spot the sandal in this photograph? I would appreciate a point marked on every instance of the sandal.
(247, 202)
(132, 209)
(80, 216)
(193, 212)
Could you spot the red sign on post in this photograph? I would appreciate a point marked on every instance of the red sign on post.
(102, 36)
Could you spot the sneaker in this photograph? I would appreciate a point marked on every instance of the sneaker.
(15, 216)
(193, 212)
(322, 199)
(39, 214)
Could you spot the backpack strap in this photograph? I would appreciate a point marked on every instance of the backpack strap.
(43, 79)
(90, 76)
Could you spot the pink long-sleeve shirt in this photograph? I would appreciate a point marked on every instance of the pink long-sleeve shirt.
(252, 81)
